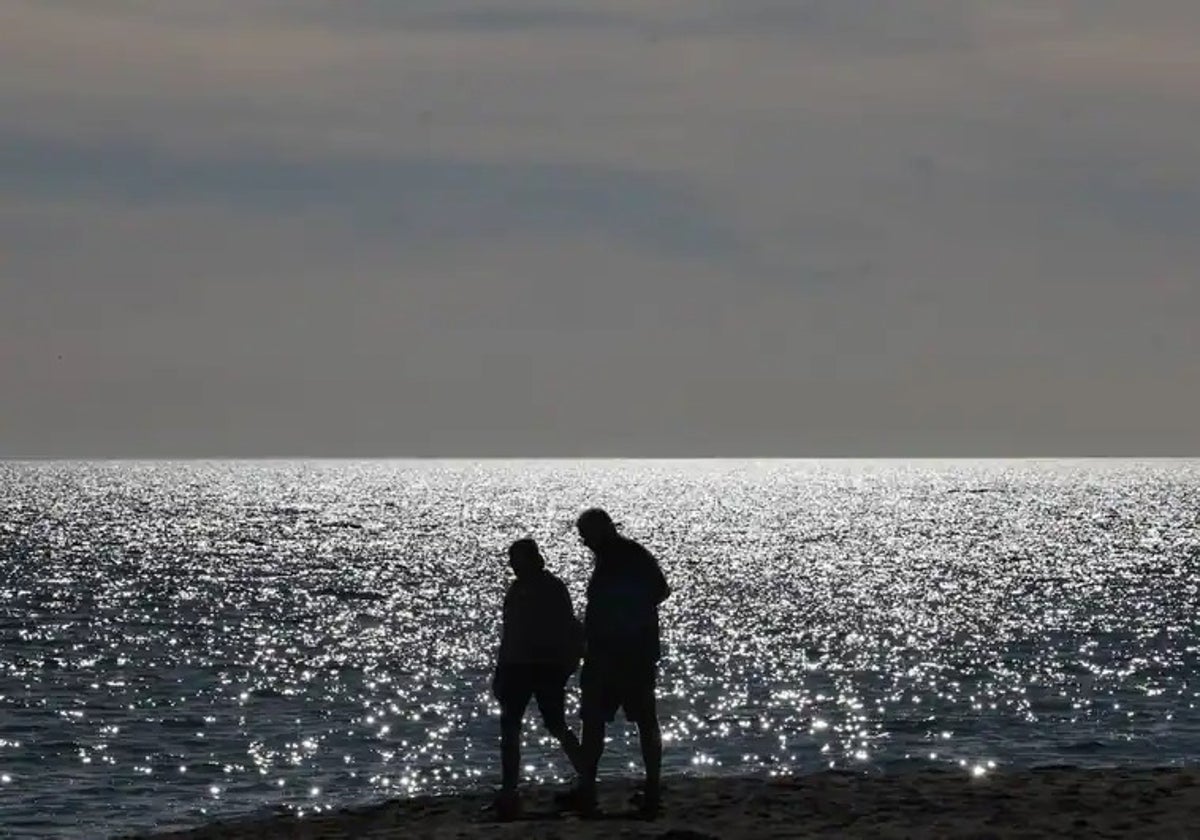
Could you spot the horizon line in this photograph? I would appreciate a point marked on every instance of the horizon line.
(552, 458)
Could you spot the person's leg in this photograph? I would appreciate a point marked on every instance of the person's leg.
(510, 751)
(595, 709)
(571, 746)
(592, 749)
(650, 736)
(551, 699)
(513, 690)
(582, 798)
(645, 713)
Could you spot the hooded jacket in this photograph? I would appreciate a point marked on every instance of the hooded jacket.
(540, 627)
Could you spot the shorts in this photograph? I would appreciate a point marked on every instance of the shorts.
(516, 683)
(608, 685)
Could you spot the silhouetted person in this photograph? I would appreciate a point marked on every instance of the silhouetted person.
(540, 646)
(621, 658)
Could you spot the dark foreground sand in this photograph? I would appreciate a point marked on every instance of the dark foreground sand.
(1052, 802)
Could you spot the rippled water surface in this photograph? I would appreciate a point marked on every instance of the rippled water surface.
(189, 640)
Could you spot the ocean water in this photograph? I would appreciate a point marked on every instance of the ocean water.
(186, 641)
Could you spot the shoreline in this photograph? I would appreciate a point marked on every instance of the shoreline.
(1044, 802)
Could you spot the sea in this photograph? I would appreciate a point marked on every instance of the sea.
(182, 642)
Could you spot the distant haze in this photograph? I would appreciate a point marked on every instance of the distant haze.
(639, 227)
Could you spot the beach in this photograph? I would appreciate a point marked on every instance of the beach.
(1050, 802)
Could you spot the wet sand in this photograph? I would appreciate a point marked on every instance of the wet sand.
(1051, 802)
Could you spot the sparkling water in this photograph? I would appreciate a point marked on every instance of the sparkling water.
(187, 641)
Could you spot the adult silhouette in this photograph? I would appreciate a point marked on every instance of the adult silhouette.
(620, 664)
(540, 646)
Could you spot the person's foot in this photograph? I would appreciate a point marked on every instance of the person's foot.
(582, 802)
(507, 805)
(648, 802)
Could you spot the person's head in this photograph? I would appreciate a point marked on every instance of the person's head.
(524, 557)
(596, 528)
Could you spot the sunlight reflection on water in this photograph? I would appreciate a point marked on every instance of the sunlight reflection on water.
(183, 640)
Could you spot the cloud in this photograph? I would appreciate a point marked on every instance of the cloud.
(412, 200)
(796, 223)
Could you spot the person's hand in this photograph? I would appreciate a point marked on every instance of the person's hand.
(571, 665)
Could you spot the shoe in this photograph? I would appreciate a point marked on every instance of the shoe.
(507, 806)
(648, 804)
(577, 800)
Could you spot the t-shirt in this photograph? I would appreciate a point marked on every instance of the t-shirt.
(626, 588)
(540, 627)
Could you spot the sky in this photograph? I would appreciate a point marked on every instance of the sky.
(272, 228)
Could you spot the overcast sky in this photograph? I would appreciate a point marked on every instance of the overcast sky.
(574, 227)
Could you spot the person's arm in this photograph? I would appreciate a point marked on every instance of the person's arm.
(565, 607)
(664, 588)
(505, 641)
(661, 589)
(571, 627)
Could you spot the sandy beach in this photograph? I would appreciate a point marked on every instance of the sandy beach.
(1051, 802)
